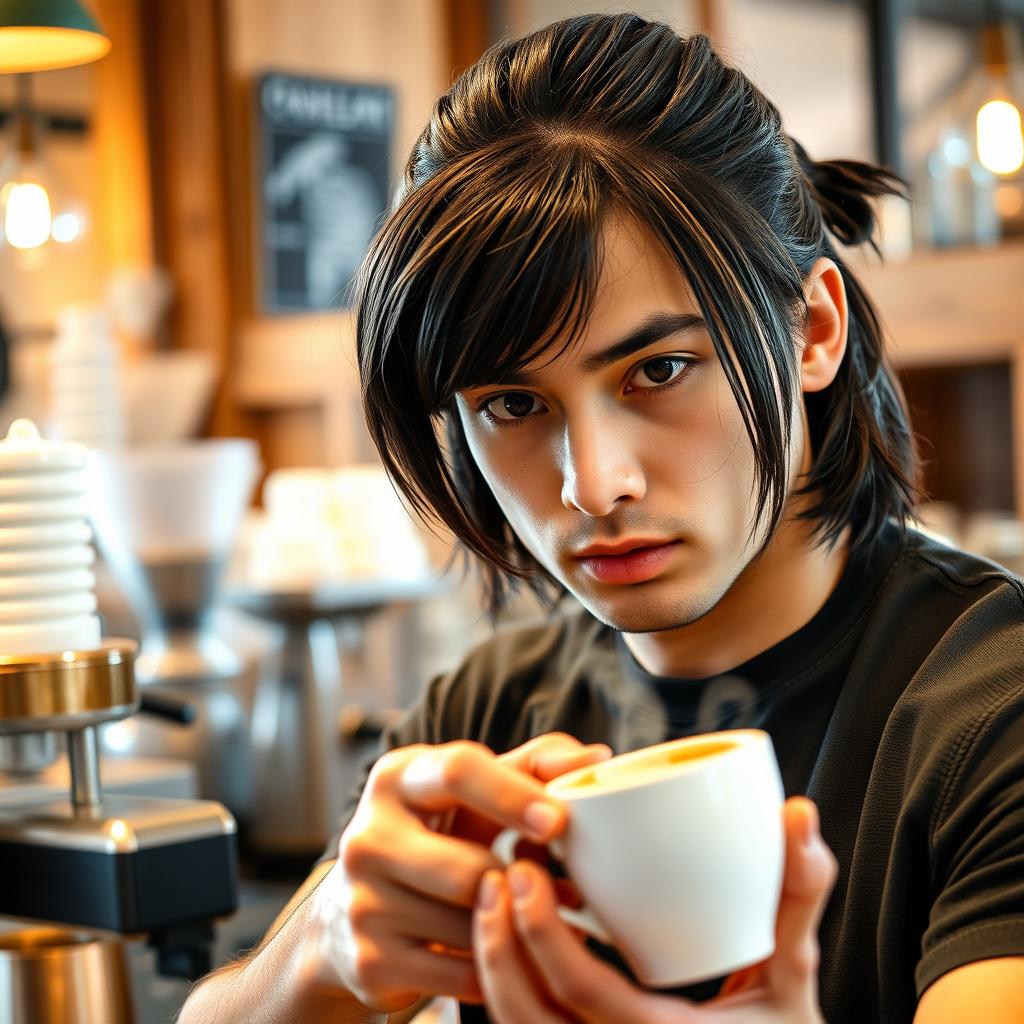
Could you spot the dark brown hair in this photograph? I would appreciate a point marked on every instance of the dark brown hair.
(492, 246)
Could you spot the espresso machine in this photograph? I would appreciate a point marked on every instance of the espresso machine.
(126, 865)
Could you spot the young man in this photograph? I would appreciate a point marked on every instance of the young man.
(609, 280)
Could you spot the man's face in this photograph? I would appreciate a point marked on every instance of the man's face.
(626, 470)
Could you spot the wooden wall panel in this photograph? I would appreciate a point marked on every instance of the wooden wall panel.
(397, 42)
(287, 364)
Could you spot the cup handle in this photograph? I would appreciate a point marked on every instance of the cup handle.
(504, 848)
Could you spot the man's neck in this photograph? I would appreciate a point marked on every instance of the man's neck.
(778, 593)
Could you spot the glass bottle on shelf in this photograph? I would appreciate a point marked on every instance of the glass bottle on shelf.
(973, 173)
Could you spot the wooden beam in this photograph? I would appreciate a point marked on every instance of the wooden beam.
(124, 202)
(948, 306)
(711, 18)
(184, 53)
(467, 30)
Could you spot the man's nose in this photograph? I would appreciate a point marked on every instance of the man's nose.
(599, 469)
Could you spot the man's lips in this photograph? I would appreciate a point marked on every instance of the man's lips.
(627, 562)
(621, 547)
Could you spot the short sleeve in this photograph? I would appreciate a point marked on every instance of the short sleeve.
(977, 840)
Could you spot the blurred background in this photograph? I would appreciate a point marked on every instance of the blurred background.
(181, 213)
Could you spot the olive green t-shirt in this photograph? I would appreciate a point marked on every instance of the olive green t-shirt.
(898, 709)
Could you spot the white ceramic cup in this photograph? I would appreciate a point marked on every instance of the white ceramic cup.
(678, 851)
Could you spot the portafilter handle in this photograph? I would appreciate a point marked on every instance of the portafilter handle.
(171, 707)
(83, 746)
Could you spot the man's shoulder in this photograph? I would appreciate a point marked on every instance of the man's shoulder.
(969, 575)
(932, 587)
(951, 626)
(940, 630)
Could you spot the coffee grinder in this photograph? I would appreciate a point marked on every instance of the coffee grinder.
(166, 518)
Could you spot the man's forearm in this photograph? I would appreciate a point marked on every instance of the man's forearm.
(259, 992)
(280, 982)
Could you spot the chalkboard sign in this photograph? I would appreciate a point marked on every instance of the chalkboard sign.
(323, 185)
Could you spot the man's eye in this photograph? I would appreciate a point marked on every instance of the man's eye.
(514, 405)
(658, 372)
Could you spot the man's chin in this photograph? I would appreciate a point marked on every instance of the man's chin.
(636, 613)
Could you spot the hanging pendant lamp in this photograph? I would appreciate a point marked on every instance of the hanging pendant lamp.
(40, 35)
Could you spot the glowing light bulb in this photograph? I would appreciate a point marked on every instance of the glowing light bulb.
(27, 217)
(1000, 137)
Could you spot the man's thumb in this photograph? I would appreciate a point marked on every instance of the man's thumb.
(808, 878)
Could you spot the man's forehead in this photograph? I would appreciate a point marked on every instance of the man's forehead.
(637, 276)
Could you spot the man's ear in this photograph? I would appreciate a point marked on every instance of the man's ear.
(824, 341)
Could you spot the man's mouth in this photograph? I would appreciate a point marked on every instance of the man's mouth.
(627, 561)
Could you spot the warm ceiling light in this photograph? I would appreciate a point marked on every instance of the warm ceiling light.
(27, 217)
(1000, 138)
(32, 209)
(999, 132)
(40, 35)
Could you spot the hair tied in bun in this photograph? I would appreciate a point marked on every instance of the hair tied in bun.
(842, 189)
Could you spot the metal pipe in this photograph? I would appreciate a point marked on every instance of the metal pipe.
(84, 759)
(884, 19)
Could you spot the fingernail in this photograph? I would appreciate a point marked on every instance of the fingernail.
(490, 890)
(519, 882)
(811, 826)
(540, 819)
(600, 748)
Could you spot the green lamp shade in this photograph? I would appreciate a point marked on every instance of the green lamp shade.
(39, 35)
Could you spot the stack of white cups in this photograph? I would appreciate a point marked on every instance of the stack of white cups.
(47, 604)
(85, 404)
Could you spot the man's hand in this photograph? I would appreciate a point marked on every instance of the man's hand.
(534, 969)
(395, 912)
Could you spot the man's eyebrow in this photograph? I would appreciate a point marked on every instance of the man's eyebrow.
(654, 328)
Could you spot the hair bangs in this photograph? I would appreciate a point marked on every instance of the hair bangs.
(510, 263)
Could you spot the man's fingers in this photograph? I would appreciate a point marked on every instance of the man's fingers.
(553, 754)
(464, 774)
(440, 867)
(431, 972)
(589, 988)
(510, 987)
(545, 758)
(396, 910)
(810, 874)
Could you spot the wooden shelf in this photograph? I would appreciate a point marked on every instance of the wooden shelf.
(944, 307)
(950, 306)
(939, 307)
